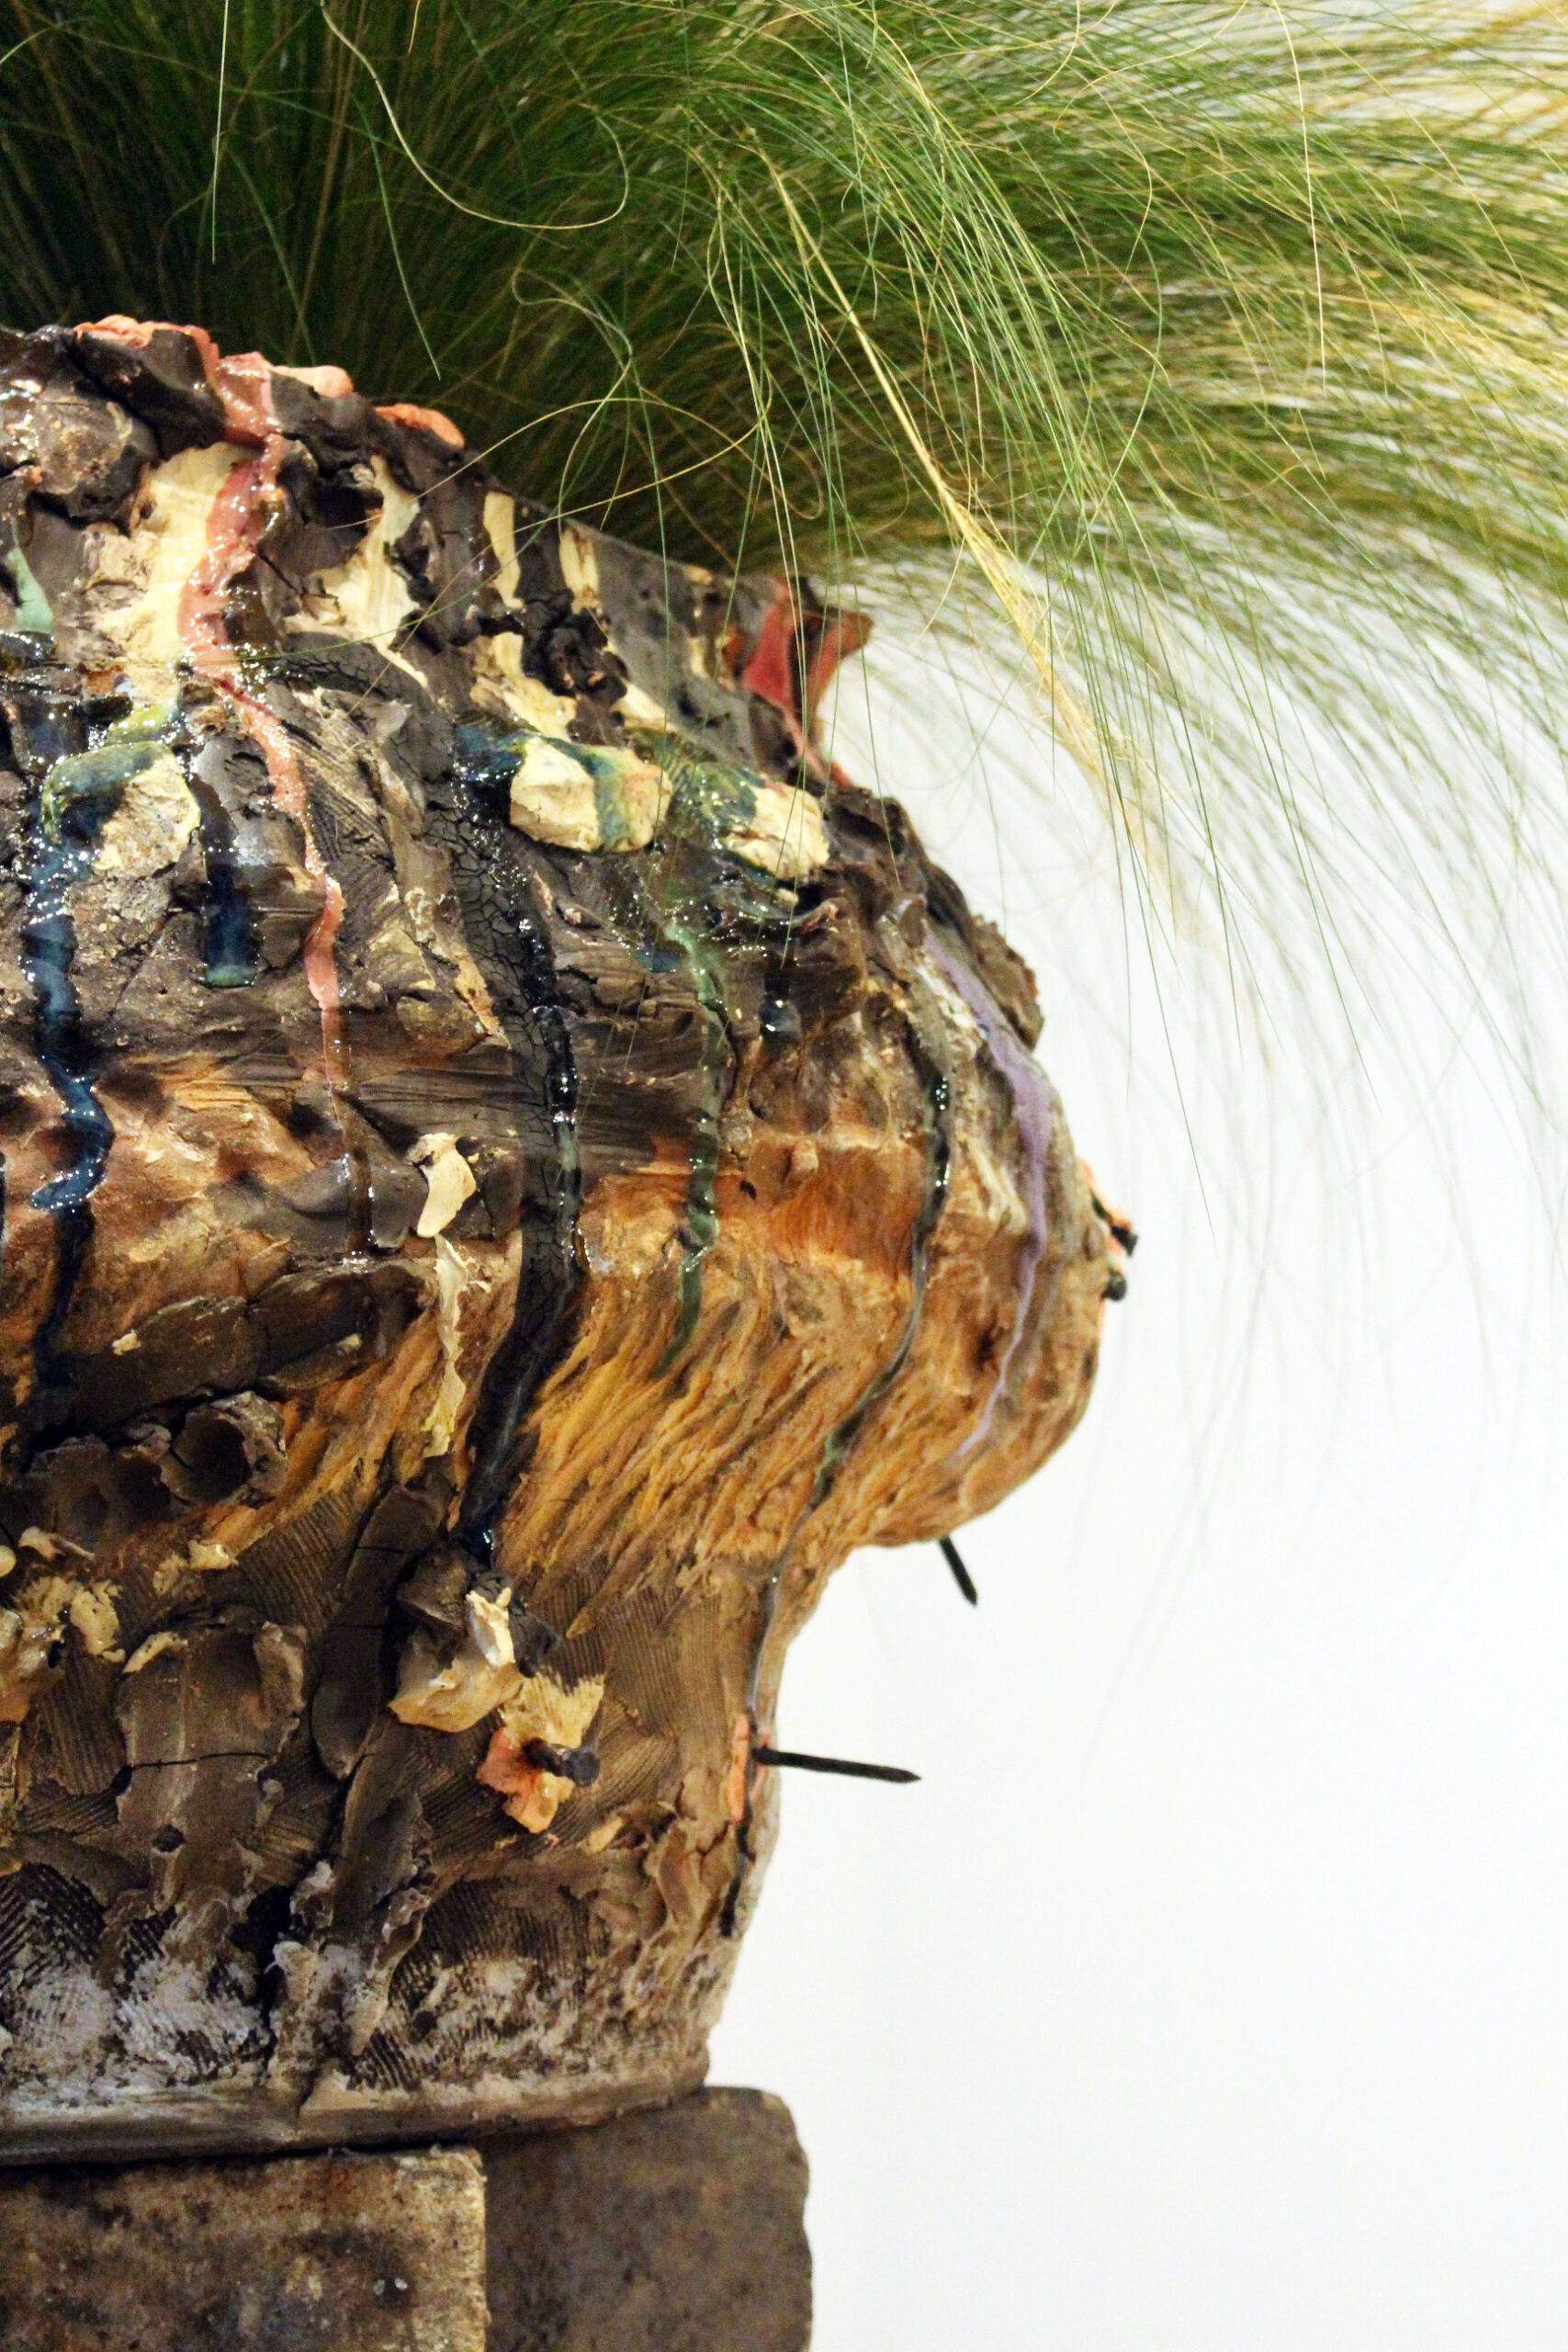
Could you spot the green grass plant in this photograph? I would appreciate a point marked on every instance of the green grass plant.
(1224, 348)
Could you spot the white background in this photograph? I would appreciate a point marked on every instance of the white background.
(1210, 1994)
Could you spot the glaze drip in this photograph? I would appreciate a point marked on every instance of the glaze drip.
(236, 521)
(484, 859)
(49, 941)
(939, 1104)
(34, 617)
(239, 515)
(936, 1085)
(231, 949)
(79, 791)
(699, 1229)
(1034, 1110)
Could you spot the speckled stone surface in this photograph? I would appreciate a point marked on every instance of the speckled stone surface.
(676, 2231)
(320, 2254)
(680, 2230)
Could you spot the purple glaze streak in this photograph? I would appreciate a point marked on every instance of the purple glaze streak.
(1034, 1107)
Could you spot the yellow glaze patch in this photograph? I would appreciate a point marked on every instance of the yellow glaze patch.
(155, 563)
(586, 799)
(157, 1645)
(366, 597)
(501, 528)
(544, 1709)
(784, 834)
(32, 1627)
(503, 688)
(449, 1182)
(452, 1697)
(580, 567)
(451, 1273)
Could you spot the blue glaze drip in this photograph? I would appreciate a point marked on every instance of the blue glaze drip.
(49, 945)
(230, 944)
(49, 948)
(486, 761)
(232, 954)
(232, 960)
(549, 1278)
(78, 794)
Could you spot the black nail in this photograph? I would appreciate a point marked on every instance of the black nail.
(789, 1758)
(961, 1575)
(576, 1764)
(1120, 1232)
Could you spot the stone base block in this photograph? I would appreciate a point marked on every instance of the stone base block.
(682, 2230)
(676, 2230)
(307, 2254)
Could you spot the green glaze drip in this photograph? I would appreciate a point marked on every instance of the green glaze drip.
(609, 799)
(700, 1226)
(85, 787)
(34, 617)
(709, 797)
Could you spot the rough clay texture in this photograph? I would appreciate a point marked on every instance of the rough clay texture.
(315, 2254)
(679, 2231)
(511, 1171)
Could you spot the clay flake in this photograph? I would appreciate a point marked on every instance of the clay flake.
(512, 1170)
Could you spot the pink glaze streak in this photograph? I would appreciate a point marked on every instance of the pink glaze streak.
(239, 514)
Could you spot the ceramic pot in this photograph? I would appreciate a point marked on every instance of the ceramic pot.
(512, 1171)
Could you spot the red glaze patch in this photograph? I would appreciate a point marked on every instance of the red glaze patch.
(793, 659)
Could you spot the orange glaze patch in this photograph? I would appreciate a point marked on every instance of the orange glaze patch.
(739, 1772)
(532, 1795)
(137, 333)
(505, 1769)
(243, 384)
(429, 419)
(328, 383)
(829, 1213)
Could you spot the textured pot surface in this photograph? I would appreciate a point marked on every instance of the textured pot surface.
(510, 1174)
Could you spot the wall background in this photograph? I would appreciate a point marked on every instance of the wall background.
(1208, 1995)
